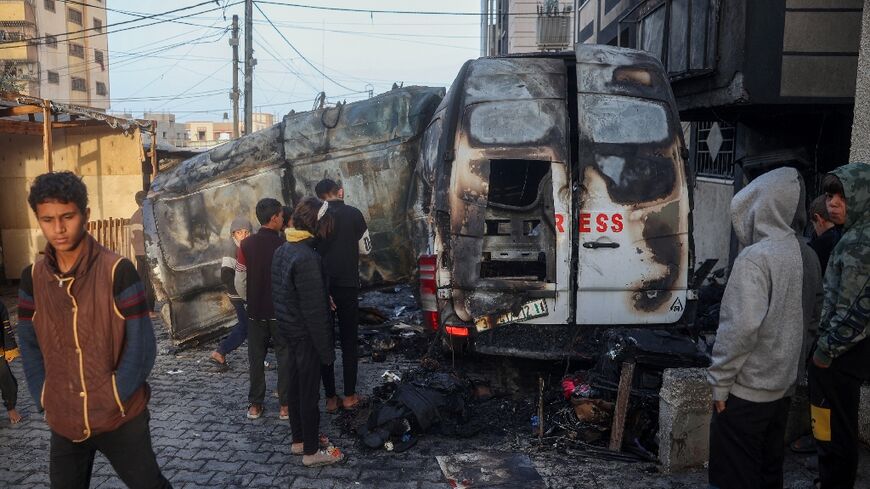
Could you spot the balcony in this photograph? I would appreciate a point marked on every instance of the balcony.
(554, 27)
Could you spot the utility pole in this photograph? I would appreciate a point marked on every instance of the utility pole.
(249, 65)
(234, 96)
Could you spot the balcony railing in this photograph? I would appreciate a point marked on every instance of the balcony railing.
(554, 26)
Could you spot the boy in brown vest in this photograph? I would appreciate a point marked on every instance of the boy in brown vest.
(87, 344)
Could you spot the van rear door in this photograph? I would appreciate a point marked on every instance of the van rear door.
(632, 210)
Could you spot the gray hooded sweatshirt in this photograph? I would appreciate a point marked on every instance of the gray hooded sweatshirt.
(771, 296)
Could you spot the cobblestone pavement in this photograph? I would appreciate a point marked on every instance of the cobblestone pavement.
(203, 439)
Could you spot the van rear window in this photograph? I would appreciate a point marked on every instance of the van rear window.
(621, 120)
(516, 183)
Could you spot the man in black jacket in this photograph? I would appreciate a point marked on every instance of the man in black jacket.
(254, 283)
(340, 252)
(302, 308)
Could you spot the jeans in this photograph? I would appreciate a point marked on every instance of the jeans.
(347, 309)
(746, 444)
(128, 449)
(303, 374)
(238, 334)
(259, 333)
(8, 385)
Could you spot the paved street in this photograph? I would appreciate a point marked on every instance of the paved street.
(203, 440)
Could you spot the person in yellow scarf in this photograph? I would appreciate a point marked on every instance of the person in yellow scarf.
(8, 352)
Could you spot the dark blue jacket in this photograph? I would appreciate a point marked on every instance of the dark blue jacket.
(301, 299)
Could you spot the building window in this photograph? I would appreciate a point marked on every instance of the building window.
(681, 33)
(51, 41)
(101, 88)
(74, 16)
(714, 149)
(98, 25)
(98, 58)
(53, 77)
(49, 5)
(76, 50)
(7, 36)
(79, 85)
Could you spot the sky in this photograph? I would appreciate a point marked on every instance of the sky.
(187, 69)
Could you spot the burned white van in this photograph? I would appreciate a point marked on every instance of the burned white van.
(551, 200)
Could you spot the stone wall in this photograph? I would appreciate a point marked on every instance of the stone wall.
(860, 150)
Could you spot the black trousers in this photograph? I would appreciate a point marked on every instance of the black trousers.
(746, 444)
(260, 332)
(8, 385)
(145, 275)
(347, 309)
(834, 399)
(303, 377)
(128, 449)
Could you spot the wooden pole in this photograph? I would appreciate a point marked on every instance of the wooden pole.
(622, 397)
(46, 133)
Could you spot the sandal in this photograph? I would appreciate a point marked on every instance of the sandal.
(298, 448)
(323, 457)
(804, 444)
(357, 401)
(218, 366)
(255, 411)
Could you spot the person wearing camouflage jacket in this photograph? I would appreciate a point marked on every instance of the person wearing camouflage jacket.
(841, 359)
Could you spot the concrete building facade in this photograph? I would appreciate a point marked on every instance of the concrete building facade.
(57, 50)
(205, 134)
(860, 149)
(167, 129)
(518, 26)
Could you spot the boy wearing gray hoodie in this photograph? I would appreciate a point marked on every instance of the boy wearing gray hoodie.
(773, 292)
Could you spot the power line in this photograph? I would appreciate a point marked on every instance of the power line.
(257, 4)
(196, 84)
(378, 11)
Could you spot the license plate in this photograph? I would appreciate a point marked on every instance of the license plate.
(530, 310)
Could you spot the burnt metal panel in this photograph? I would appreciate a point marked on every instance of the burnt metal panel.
(370, 146)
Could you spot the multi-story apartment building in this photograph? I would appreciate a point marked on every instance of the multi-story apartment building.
(205, 134)
(167, 129)
(57, 50)
(525, 26)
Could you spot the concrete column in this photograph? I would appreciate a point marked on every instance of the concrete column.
(860, 150)
(685, 407)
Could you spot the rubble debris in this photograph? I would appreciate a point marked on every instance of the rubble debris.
(490, 469)
(390, 376)
(405, 328)
(371, 316)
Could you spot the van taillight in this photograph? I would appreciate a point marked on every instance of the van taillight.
(456, 330)
(428, 300)
(431, 318)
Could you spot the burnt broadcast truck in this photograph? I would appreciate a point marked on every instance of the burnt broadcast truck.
(551, 201)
